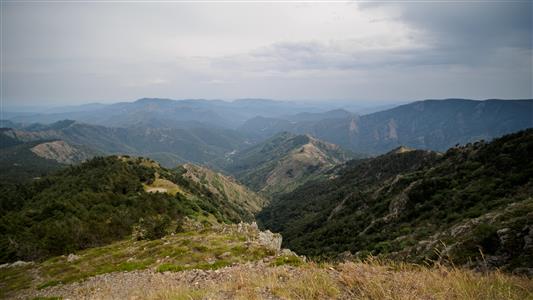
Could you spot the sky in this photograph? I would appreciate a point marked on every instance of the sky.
(54, 52)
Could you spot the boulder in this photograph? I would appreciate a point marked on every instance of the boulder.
(72, 257)
(18, 263)
(270, 240)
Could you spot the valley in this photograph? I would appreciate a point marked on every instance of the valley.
(438, 189)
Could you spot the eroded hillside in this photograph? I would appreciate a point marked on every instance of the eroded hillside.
(284, 162)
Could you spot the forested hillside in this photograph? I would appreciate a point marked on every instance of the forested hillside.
(103, 200)
(472, 205)
(19, 164)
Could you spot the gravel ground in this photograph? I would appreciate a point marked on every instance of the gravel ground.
(139, 284)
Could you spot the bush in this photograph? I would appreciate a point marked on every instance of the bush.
(151, 228)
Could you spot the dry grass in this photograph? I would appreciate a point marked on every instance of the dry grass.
(182, 251)
(365, 280)
(374, 279)
(265, 283)
(161, 185)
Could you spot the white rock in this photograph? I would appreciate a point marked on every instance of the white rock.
(72, 257)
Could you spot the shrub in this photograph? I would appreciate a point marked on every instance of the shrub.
(151, 228)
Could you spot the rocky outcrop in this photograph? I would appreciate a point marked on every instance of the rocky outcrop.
(18, 263)
(60, 151)
(72, 257)
(253, 234)
(270, 240)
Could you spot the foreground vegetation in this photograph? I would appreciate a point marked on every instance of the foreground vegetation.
(229, 262)
(205, 249)
(369, 279)
(361, 280)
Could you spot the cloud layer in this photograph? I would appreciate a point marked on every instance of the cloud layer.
(80, 52)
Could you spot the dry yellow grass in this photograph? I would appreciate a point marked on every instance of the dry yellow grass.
(377, 280)
(264, 283)
(161, 185)
(364, 280)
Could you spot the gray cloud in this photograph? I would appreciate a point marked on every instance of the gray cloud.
(371, 51)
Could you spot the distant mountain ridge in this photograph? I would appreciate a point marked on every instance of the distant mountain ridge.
(170, 146)
(429, 124)
(168, 113)
(174, 132)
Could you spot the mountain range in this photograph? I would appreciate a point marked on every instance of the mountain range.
(167, 113)
(158, 186)
(169, 146)
(174, 132)
(430, 124)
(317, 172)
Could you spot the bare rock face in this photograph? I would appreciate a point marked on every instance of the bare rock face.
(18, 263)
(251, 231)
(60, 151)
(270, 240)
(266, 238)
(288, 252)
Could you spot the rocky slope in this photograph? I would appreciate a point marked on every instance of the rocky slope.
(199, 247)
(225, 188)
(284, 162)
(23, 160)
(60, 151)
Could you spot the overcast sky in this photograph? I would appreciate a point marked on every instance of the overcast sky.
(59, 53)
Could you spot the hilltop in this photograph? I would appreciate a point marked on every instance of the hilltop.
(283, 162)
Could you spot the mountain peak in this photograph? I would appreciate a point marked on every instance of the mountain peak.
(284, 162)
(153, 101)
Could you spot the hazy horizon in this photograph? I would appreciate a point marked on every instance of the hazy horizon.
(58, 53)
(324, 103)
